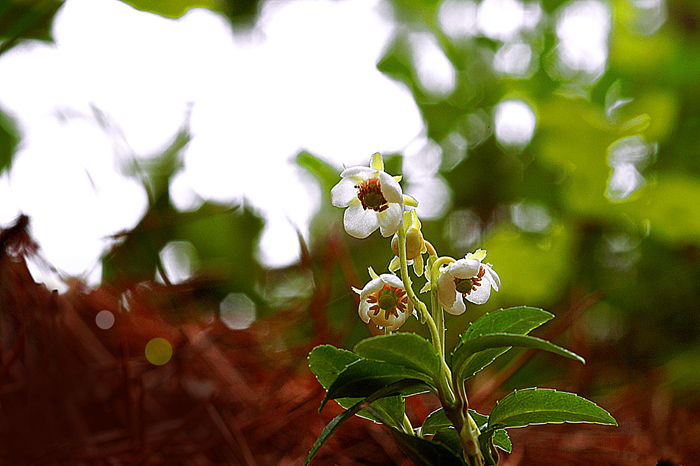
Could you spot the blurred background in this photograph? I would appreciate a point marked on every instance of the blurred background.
(169, 254)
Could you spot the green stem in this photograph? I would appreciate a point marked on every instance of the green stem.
(417, 303)
(458, 409)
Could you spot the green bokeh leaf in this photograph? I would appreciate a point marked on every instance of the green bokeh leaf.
(9, 138)
(172, 8)
(545, 406)
(405, 349)
(26, 20)
(238, 11)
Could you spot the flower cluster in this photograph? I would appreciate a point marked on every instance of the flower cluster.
(374, 200)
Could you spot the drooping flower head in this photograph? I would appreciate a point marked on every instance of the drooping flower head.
(384, 302)
(468, 279)
(373, 199)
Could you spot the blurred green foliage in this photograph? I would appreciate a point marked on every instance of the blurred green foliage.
(636, 247)
(557, 223)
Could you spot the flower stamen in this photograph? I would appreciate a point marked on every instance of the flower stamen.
(389, 299)
(370, 195)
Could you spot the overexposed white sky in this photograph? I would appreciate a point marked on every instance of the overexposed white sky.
(304, 79)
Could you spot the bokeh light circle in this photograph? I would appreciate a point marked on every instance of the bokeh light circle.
(104, 319)
(158, 351)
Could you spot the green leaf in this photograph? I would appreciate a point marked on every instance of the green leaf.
(521, 320)
(462, 360)
(448, 437)
(515, 320)
(435, 421)
(423, 452)
(500, 436)
(365, 376)
(345, 415)
(502, 440)
(545, 406)
(327, 361)
(404, 349)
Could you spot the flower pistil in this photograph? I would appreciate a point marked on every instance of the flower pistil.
(370, 195)
(466, 285)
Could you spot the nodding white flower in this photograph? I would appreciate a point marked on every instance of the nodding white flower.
(373, 199)
(468, 279)
(383, 301)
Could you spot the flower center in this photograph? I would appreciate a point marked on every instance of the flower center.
(467, 285)
(370, 195)
(389, 299)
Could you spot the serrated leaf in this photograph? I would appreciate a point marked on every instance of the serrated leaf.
(521, 320)
(345, 415)
(502, 440)
(500, 436)
(327, 361)
(545, 406)
(365, 376)
(465, 362)
(405, 349)
(518, 320)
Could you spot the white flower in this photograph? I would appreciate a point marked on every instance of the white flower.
(373, 199)
(466, 278)
(384, 302)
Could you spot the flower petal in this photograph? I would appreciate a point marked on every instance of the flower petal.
(447, 291)
(390, 220)
(391, 189)
(492, 277)
(343, 193)
(458, 307)
(359, 222)
(372, 286)
(392, 280)
(363, 310)
(464, 268)
(358, 173)
(481, 294)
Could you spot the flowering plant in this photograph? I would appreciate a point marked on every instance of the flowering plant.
(373, 380)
